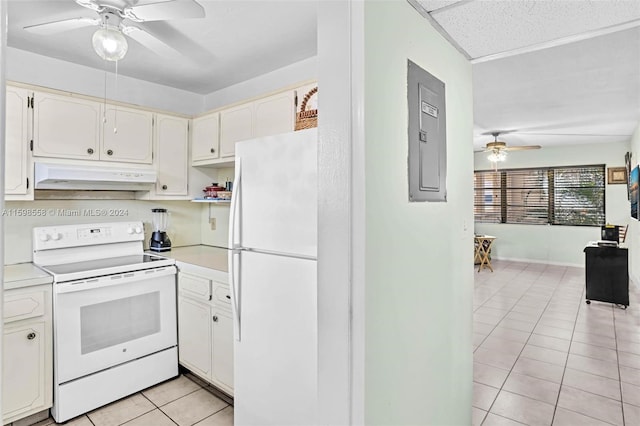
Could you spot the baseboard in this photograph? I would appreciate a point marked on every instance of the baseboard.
(545, 262)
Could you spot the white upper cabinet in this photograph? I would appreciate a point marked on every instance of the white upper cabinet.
(236, 124)
(172, 151)
(127, 135)
(205, 138)
(66, 127)
(274, 114)
(17, 164)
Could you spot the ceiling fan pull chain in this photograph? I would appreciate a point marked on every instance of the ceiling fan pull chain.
(104, 110)
(115, 107)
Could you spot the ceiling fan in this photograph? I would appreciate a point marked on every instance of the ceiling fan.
(114, 21)
(498, 149)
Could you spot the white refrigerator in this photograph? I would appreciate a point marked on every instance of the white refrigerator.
(272, 273)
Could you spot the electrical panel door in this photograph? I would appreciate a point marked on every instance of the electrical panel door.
(427, 136)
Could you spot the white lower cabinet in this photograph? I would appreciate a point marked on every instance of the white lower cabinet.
(27, 369)
(205, 327)
(194, 329)
(222, 344)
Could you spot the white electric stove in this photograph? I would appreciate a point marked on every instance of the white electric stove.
(114, 313)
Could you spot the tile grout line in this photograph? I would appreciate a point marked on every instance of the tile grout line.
(615, 337)
(525, 344)
(158, 408)
(510, 309)
(566, 362)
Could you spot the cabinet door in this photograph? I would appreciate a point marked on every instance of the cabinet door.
(236, 124)
(274, 115)
(17, 142)
(23, 368)
(194, 336)
(127, 135)
(205, 142)
(222, 343)
(172, 147)
(65, 127)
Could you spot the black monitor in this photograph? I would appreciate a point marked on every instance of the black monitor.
(610, 233)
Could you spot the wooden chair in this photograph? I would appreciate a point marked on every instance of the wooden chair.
(622, 233)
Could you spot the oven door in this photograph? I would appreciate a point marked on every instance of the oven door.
(102, 322)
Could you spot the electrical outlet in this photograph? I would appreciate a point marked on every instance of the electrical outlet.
(212, 223)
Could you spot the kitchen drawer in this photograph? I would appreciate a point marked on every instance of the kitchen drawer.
(23, 306)
(222, 295)
(194, 286)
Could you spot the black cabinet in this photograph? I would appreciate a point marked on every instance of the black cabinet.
(607, 276)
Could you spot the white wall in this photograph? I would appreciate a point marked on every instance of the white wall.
(184, 224)
(39, 70)
(297, 72)
(419, 275)
(633, 235)
(557, 244)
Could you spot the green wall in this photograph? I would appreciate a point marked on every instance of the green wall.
(419, 278)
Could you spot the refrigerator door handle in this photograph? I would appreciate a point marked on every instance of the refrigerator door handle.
(235, 287)
(235, 200)
(235, 292)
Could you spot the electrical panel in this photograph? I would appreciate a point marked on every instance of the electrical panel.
(427, 136)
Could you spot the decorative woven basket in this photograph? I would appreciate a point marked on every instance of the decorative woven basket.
(307, 119)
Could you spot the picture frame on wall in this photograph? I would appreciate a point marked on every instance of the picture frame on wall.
(627, 164)
(634, 191)
(617, 175)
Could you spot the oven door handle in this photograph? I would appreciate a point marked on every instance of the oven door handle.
(112, 280)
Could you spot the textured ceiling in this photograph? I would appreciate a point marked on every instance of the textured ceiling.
(236, 41)
(548, 72)
(484, 28)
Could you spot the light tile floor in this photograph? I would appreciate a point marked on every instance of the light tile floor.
(542, 356)
(182, 401)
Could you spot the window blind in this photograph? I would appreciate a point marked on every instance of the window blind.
(552, 195)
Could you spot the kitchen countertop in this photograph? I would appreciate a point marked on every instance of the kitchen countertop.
(24, 275)
(204, 256)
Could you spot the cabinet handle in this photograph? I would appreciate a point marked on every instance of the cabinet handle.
(90, 151)
(228, 297)
(213, 150)
(164, 187)
(31, 336)
(215, 318)
(109, 152)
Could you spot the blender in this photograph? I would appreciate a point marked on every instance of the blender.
(159, 239)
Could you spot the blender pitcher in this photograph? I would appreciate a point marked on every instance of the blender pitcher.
(159, 239)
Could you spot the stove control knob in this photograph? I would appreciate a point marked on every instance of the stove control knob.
(56, 236)
(138, 230)
(44, 237)
(130, 230)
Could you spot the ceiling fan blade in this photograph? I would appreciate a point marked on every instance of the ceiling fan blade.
(160, 11)
(90, 4)
(522, 148)
(149, 41)
(55, 27)
(498, 132)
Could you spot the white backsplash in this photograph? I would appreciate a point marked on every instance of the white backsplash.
(20, 218)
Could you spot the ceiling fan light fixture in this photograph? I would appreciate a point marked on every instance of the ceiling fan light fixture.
(109, 43)
(496, 156)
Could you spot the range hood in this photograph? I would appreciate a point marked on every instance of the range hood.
(76, 177)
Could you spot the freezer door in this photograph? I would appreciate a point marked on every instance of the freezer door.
(276, 360)
(278, 201)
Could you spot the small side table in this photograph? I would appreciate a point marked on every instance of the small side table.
(483, 245)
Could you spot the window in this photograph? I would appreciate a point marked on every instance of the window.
(554, 195)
